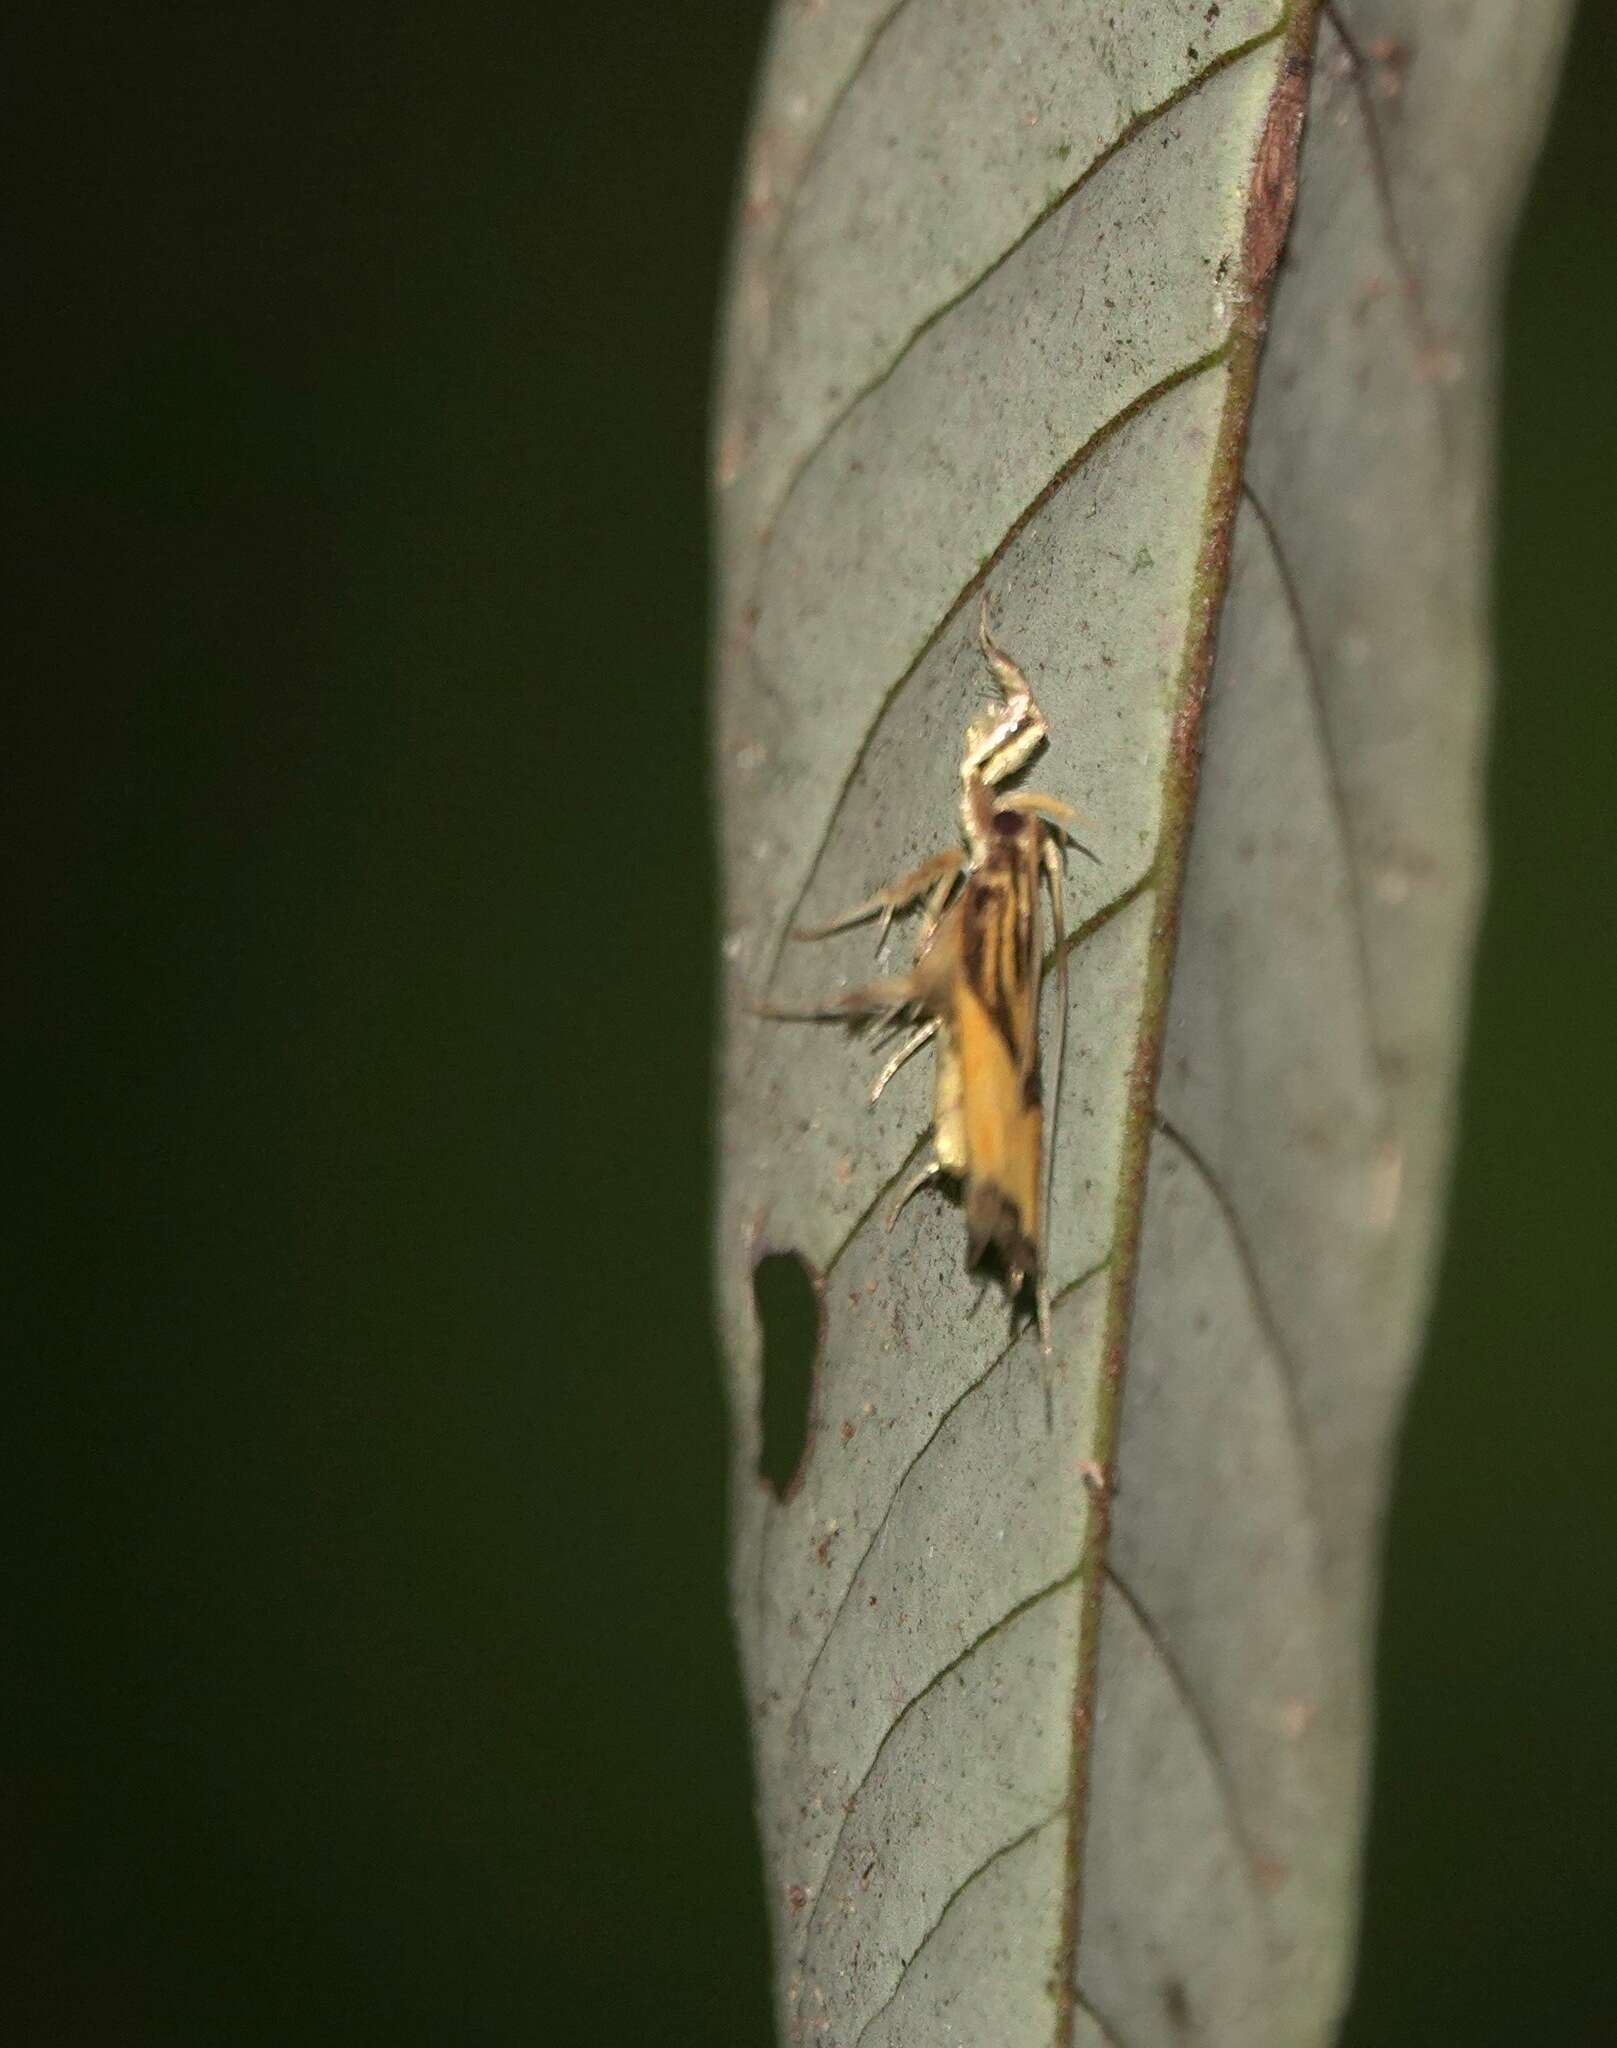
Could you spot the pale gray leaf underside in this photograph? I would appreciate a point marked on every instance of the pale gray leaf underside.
(1018, 1784)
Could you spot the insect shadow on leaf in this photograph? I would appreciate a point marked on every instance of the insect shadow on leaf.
(787, 1301)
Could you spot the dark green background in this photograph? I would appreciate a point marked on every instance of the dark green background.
(370, 1672)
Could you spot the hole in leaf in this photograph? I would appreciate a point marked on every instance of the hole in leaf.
(787, 1301)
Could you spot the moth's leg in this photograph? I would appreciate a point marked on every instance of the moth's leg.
(887, 999)
(1050, 808)
(913, 1186)
(1061, 816)
(938, 875)
(911, 1044)
(1050, 855)
(932, 916)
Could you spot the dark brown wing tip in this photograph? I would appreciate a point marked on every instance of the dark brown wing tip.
(994, 1223)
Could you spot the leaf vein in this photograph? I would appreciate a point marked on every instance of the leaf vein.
(1274, 174)
(1182, 92)
(1184, 1692)
(1082, 2003)
(988, 1863)
(1409, 285)
(961, 1657)
(817, 143)
(1340, 810)
(904, 1477)
(1286, 1371)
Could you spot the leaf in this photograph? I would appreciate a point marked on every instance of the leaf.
(1061, 1732)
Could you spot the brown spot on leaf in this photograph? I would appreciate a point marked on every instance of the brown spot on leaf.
(1391, 60)
(1273, 191)
(1270, 1872)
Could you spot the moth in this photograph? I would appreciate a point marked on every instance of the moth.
(974, 987)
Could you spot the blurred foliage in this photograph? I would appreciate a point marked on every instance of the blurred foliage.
(371, 1674)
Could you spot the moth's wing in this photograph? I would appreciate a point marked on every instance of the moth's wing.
(995, 1017)
(1000, 1122)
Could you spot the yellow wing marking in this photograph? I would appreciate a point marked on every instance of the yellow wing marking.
(1001, 1121)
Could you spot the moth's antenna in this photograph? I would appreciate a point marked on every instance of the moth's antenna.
(1058, 931)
